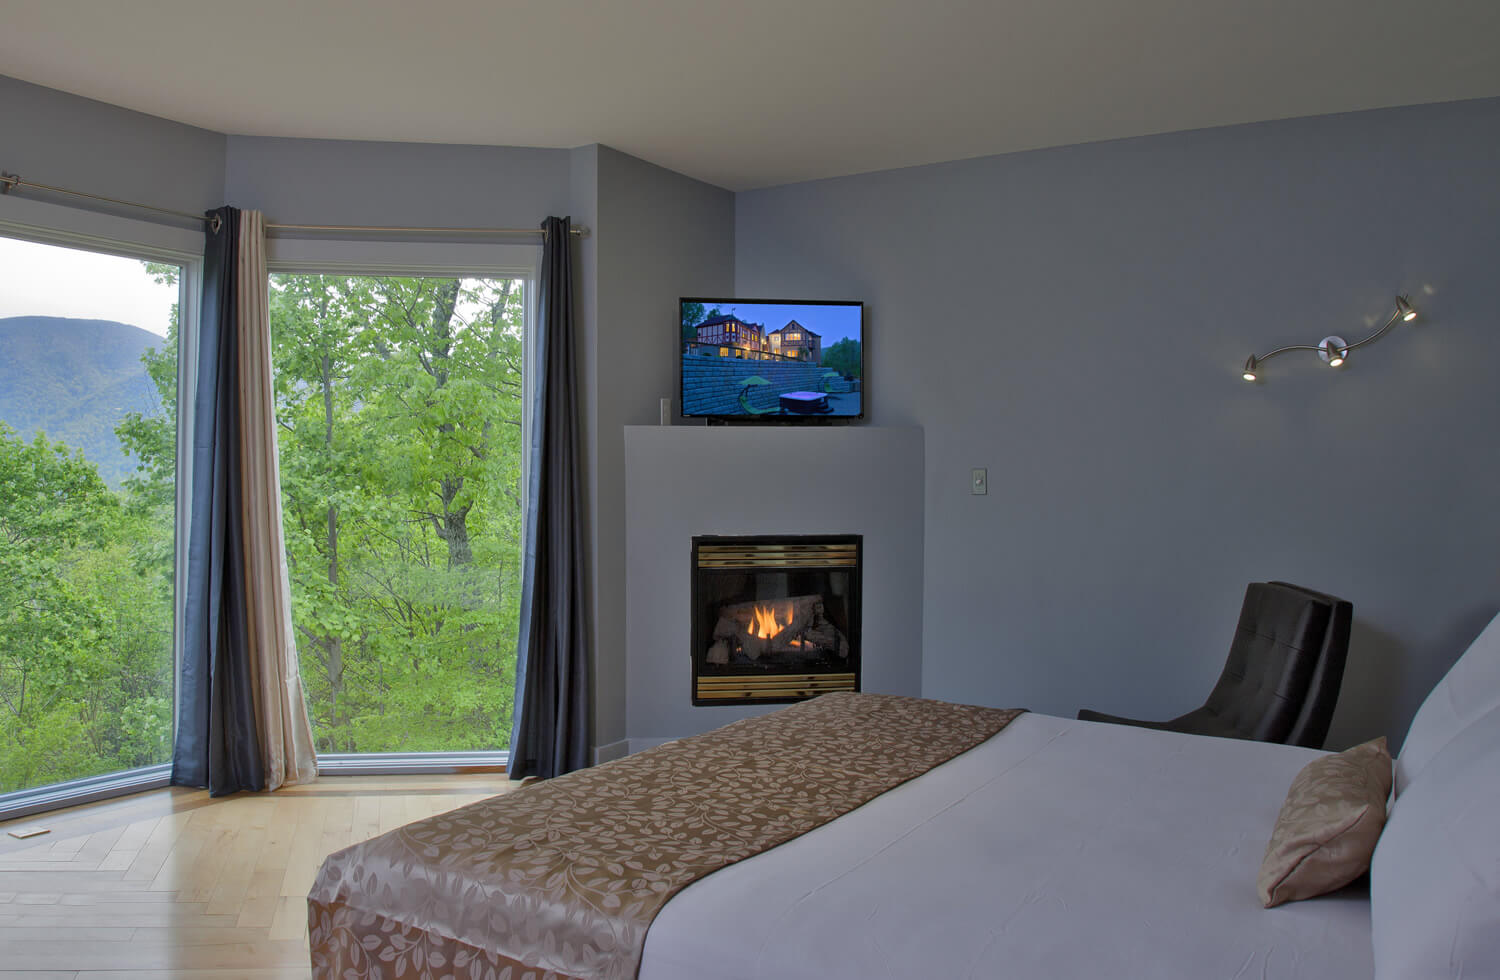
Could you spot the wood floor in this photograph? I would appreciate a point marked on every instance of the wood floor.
(172, 884)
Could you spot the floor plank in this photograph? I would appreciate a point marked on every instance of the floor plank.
(175, 885)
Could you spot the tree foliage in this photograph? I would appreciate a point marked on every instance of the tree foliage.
(693, 314)
(399, 411)
(85, 621)
(399, 402)
(844, 357)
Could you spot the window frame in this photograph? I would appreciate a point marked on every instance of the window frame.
(444, 259)
(69, 227)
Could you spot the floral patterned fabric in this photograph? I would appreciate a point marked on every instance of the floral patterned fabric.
(1329, 825)
(562, 879)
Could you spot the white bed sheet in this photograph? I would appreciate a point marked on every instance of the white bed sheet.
(1057, 849)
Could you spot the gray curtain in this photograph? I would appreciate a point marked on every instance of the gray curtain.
(551, 725)
(216, 744)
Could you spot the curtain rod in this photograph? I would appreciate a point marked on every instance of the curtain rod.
(9, 182)
(579, 231)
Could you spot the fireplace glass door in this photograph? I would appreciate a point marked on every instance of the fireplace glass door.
(775, 619)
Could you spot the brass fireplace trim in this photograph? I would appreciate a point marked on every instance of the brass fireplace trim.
(778, 555)
(771, 686)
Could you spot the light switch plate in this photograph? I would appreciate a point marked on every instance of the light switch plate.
(979, 481)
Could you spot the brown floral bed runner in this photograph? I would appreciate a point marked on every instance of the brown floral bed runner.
(562, 879)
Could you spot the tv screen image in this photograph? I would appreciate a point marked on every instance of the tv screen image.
(772, 360)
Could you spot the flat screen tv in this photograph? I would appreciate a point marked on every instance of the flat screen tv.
(772, 360)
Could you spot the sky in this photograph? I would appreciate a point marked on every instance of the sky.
(832, 323)
(47, 280)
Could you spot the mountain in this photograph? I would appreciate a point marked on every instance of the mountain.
(75, 380)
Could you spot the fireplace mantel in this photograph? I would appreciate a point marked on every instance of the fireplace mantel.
(682, 481)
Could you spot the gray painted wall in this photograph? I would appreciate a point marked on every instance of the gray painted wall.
(56, 138)
(687, 480)
(348, 182)
(584, 179)
(660, 236)
(1075, 320)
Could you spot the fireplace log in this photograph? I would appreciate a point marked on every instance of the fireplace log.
(718, 653)
(753, 646)
(727, 629)
(829, 638)
(803, 629)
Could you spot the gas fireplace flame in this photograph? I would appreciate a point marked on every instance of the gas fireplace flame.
(763, 622)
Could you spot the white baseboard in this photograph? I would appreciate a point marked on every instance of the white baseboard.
(626, 746)
(612, 751)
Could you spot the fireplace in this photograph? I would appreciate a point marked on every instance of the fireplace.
(775, 619)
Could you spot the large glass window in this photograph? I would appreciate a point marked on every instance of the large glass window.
(88, 404)
(400, 407)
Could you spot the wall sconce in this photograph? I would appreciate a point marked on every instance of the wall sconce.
(1333, 350)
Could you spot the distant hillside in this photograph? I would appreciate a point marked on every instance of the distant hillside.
(74, 380)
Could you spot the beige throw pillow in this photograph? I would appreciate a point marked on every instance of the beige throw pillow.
(1328, 826)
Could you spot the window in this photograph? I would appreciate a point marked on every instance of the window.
(400, 406)
(88, 445)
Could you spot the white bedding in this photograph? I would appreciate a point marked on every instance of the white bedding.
(1057, 849)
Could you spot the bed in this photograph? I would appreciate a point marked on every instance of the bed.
(1055, 849)
(1049, 848)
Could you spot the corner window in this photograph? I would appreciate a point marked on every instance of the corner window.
(88, 451)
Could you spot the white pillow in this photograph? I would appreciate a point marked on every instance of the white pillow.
(1469, 689)
(1435, 877)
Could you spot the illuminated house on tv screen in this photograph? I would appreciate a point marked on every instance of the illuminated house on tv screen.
(735, 364)
(793, 341)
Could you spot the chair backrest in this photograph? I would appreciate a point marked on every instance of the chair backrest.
(1311, 727)
(1280, 638)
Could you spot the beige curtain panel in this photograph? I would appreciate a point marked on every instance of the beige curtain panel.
(281, 718)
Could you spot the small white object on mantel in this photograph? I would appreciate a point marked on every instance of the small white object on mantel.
(21, 833)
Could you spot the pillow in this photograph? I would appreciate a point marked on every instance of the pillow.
(1469, 689)
(1328, 825)
(1435, 879)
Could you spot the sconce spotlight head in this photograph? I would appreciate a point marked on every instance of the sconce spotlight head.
(1404, 309)
(1333, 351)
(1250, 373)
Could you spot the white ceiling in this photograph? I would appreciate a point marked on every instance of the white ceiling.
(757, 92)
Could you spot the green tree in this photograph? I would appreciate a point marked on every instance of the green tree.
(844, 357)
(400, 404)
(693, 314)
(151, 437)
(81, 624)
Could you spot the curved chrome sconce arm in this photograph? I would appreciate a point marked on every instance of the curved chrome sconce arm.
(1333, 350)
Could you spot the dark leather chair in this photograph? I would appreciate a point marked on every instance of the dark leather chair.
(1281, 681)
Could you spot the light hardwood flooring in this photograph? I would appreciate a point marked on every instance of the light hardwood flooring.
(172, 884)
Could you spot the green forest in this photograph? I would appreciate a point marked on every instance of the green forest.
(398, 404)
(845, 357)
